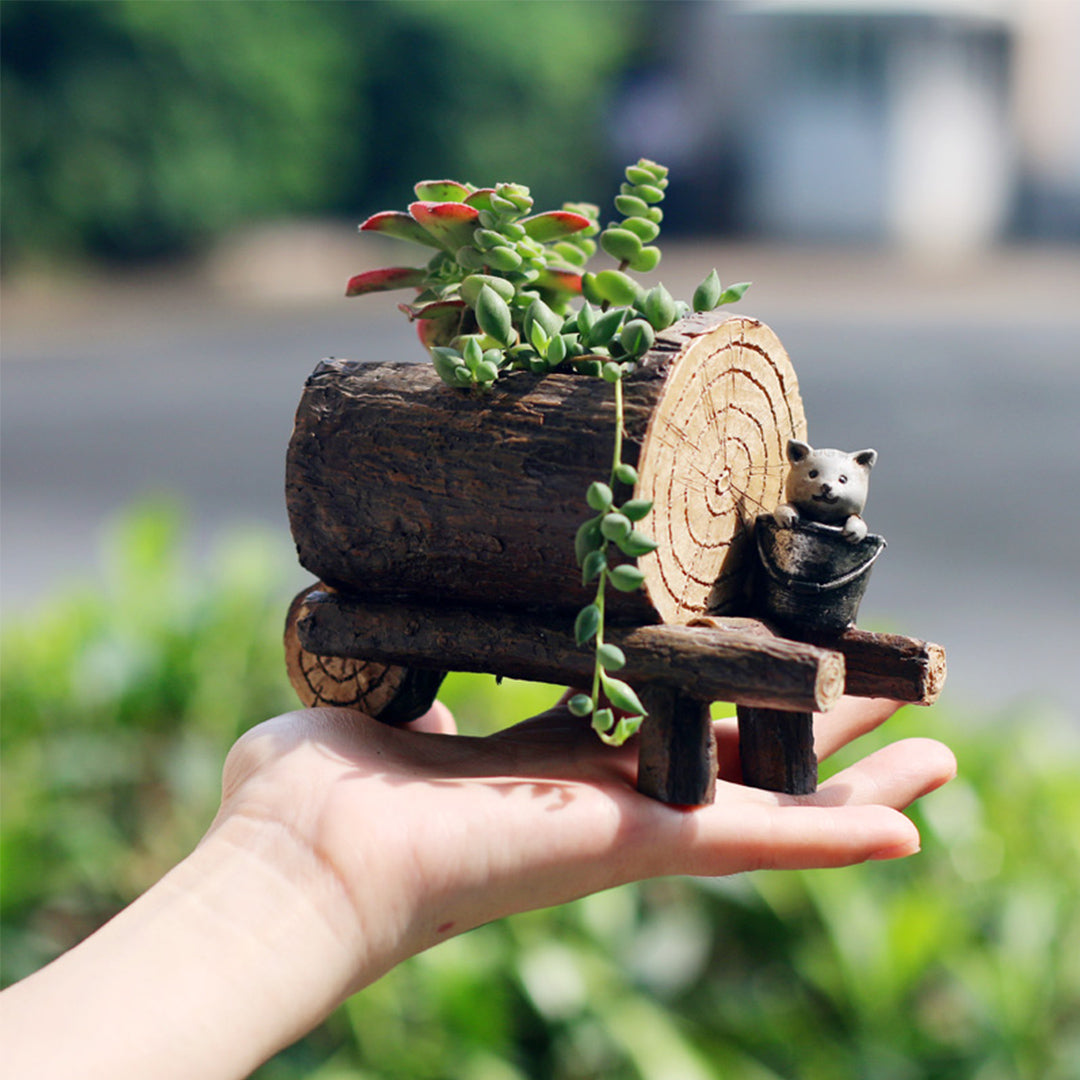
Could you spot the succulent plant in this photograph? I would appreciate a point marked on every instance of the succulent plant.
(497, 295)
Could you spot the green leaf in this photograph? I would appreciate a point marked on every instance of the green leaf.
(630, 206)
(637, 337)
(610, 657)
(733, 293)
(471, 258)
(580, 705)
(539, 314)
(646, 260)
(707, 294)
(603, 720)
(556, 351)
(599, 496)
(616, 287)
(621, 244)
(615, 526)
(659, 307)
(611, 372)
(626, 474)
(605, 327)
(493, 315)
(447, 362)
(471, 286)
(538, 338)
(624, 729)
(442, 191)
(571, 253)
(502, 258)
(591, 567)
(642, 227)
(636, 509)
(472, 353)
(486, 372)
(588, 538)
(626, 578)
(636, 544)
(650, 193)
(621, 695)
(636, 174)
(586, 624)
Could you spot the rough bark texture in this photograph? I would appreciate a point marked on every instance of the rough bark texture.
(677, 758)
(398, 485)
(705, 665)
(776, 750)
(877, 665)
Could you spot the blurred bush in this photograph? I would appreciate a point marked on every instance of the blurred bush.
(962, 963)
(134, 128)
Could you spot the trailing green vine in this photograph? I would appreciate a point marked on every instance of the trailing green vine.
(497, 295)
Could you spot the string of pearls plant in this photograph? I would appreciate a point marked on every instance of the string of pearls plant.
(498, 295)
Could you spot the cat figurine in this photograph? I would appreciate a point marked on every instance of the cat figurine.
(827, 486)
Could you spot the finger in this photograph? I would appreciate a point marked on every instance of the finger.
(851, 718)
(438, 720)
(894, 776)
(783, 835)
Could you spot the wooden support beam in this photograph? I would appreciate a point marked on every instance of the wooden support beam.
(677, 757)
(706, 665)
(877, 665)
(776, 750)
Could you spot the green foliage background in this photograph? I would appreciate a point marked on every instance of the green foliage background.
(135, 128)
(963, 963)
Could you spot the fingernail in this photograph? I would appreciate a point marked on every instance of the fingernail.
(897, 851)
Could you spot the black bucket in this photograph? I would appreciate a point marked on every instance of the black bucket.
(810, 575)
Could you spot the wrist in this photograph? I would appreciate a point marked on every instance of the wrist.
(241, 949)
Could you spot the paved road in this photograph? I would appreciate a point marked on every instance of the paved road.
(973, 408)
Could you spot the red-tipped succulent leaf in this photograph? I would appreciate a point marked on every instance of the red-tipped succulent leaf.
(554, 225)
(437, 323)
(559, 281)
(389, 277)
(481, 198)
(450, 224)
(400, 226)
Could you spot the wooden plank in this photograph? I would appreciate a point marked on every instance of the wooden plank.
(878, 665)
(705, 664)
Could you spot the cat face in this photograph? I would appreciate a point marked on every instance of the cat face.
(827, 485)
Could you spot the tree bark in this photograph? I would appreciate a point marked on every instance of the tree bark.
(397, 485)
(705, 665)
(776, 750)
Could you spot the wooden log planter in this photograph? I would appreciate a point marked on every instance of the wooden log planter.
(441, 526)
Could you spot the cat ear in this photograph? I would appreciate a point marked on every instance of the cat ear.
(797, 450)
(866, 458)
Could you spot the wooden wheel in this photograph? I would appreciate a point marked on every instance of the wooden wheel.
(387, 692)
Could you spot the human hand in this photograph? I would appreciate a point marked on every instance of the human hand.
(343, 845)
(410, 836)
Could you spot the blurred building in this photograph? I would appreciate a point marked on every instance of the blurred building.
(940, 125)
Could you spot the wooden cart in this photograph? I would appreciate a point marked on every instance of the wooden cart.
(440, 525)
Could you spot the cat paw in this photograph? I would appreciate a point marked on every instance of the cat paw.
(854, 529)
(786, 516)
